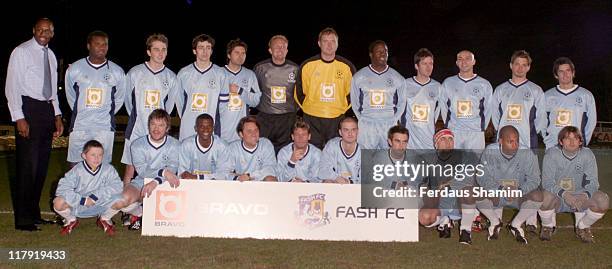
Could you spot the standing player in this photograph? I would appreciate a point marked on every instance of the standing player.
(323, 87)
(568, 104)
(154, 156)
(203, 154)
(423, 106)
(277, 109)
(341, 157)
(252, 157)
(520, 103)
(243, 91)
(377, 95)
(198, 86)
(95, 92)
(149, 86)
(299, 161)
(90, 189)
(571, 184)
(508, 168)
(465, 104)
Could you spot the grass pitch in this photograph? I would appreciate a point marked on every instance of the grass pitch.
(88, 246)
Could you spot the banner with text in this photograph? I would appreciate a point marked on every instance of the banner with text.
(273, 210)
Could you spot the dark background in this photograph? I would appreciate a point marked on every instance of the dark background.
(493, 30)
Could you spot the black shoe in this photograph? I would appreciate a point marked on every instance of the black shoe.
(531, 229)
(28, 228)
(494, 231)
(465, 237)
(444, 231)
(44, 221)
(518, 234)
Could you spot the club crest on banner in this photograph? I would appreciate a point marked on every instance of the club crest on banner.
(311, 210)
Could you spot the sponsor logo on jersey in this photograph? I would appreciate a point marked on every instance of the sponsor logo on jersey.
(278, 95)
(564, 118)
(509, 184)
(152, 99)
(567, 184)
(515, 112)
(377, 99)
(311, 210)
(420, 112)
(464, 109)
(201, 172)
(94, 97)
(235, 103)
(328, 92)
(199, 102)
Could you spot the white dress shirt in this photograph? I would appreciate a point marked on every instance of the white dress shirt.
(25, 74)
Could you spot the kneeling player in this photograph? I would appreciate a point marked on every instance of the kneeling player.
(299, 161)
(154, 156)
(203, 154)
(443, 211)
(569, 178)
(91, 188)
(514, 175)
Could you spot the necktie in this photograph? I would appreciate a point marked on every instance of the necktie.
(47, 78)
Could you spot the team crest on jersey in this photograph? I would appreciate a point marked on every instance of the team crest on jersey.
(432, 94)
(420, 113)
(389, 82)
(476, 91)
(107, 77)
(244, 81)
(578, 100)
(564, 118)
(527, 95)
(94, 97)
(515, 112)
(212, 84)
(377, 99)
(166, 84)
(152, 99)
(291, 77)
(278, 95)
(464, 109)
(235, 102)
(328, 91)
(311, 210)
(199, 102)
(579, 168)
(339, 75)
